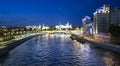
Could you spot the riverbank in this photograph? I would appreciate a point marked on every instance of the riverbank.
(108, 46)
(111, 47)
(13, 43)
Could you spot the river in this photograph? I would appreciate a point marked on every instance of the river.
(58, 50)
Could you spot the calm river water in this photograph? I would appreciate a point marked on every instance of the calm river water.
(58, 50)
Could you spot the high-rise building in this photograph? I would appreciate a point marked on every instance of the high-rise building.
(103, 17)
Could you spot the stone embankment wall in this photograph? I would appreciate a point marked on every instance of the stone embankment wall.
(108, 46)
(14, 44)
(111, 47)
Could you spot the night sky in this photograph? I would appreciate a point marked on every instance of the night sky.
(49, 12)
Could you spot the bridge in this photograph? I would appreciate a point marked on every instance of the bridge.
(57, 32)
(62, 32)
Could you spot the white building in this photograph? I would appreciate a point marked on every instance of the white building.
(34, 27)
(3, 27)
(67, 26)
(45, 27)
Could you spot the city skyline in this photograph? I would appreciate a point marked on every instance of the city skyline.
(22, 13)
(60, 33)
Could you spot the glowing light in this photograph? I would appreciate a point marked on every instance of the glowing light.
(99, 10)
(45, 27)
(87, 18)
(91, 31)
(67, 26)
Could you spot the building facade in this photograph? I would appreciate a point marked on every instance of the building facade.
(103, 17)
(101, 20)
(67, 26)
(87, 25)
(115, 16)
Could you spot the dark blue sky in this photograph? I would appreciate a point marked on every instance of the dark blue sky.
(49, 12)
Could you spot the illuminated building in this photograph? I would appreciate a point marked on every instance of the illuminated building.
(103, 17)
(87, 25)
(60, 26)
(34, 27)
(101, 20)
(3, 27)
(45, 27)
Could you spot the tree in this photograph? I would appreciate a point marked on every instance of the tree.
(1, 32)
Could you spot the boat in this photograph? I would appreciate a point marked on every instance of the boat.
(73, 37)
(79, 39)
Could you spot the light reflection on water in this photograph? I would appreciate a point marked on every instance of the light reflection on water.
(59, 50)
